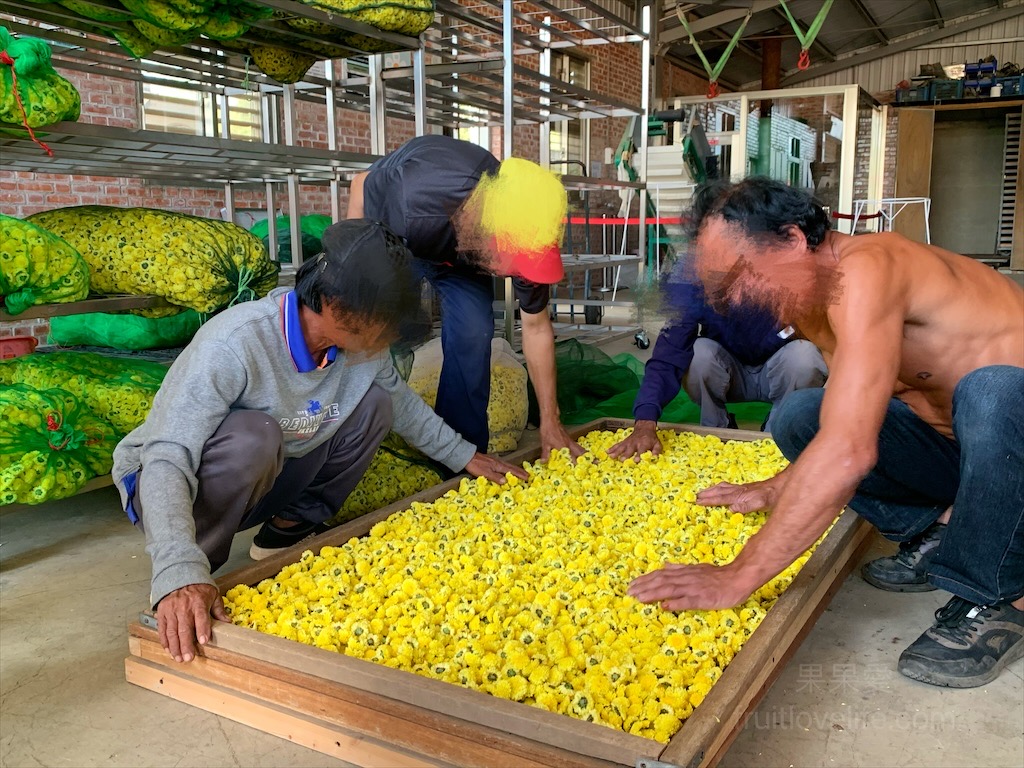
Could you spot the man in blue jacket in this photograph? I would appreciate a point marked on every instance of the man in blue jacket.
(742, 355)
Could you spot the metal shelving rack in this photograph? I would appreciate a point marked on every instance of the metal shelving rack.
(86, 45)
(483, 63)
(488, 63)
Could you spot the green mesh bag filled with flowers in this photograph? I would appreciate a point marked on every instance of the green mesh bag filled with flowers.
(50, 445)
(190, 261)
(119, 391)
(407, 17)
(37, 267)
(32, 94)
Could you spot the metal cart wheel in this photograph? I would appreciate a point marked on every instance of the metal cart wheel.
(592, 314)
(641, 339)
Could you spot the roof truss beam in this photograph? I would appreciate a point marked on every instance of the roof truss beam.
(873, 22)
(906, 44)
(713, 21)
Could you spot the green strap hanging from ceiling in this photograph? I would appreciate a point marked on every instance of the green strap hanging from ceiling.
(715, 71)
(806, 39)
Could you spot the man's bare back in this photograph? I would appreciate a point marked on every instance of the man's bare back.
(959, 315)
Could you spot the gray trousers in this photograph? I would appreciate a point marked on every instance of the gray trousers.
(716, 377)
(244, 478)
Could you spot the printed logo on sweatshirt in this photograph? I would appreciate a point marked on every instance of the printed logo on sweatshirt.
(308, 421)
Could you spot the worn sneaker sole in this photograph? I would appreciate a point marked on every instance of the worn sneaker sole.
(256, 552)
(889, 586)
(923, 670)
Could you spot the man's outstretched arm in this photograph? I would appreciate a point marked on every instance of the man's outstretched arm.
(867, 321)
(539, 351)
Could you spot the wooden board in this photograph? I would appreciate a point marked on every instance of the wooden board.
(913, 168)
(305, 693)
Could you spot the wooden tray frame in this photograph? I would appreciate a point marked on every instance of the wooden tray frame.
(374, 715)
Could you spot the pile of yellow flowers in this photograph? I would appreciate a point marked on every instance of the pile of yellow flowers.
(520, 590)
(507, 406)
(397, 470)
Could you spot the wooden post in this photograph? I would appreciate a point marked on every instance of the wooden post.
(913, 168)
(771, 70)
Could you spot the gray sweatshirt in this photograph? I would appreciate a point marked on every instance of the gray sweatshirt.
(240, 360)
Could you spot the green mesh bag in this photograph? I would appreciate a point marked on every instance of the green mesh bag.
(125, 332)
(37, 267)
(50, 445)
(312, 228)
(193, 262)
(592, 386)
(408, 17)
(586, 376)
(32, 94)
(117, 390)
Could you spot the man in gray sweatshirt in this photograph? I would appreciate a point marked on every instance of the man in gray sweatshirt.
(271, 416)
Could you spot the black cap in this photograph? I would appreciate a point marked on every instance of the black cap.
(367, 271)
(363, 237)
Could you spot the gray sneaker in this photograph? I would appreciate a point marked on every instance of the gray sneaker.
(906, 571)
(967, 646)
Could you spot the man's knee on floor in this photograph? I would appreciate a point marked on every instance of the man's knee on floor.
(802, 363)
(706, 358)
(795, 421)
(253, 434)
(378, 402)
(988, 400)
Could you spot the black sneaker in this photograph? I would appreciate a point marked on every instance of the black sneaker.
(271, 539)
(967, 646)
(906, 571)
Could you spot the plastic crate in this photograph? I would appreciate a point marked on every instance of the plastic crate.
(1012, 86)
(17, 346)
(917, 93)
(944, 90)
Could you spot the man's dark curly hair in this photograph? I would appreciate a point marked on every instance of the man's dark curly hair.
(763, 207)
(365, 274)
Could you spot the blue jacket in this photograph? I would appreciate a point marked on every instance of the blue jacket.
(751, 334)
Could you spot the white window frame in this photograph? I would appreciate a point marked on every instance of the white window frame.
(561, 130)
(191, 112)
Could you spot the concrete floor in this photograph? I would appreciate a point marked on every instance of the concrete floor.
(74, 572)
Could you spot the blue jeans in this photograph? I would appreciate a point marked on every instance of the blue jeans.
(920, 473)
(467, 327)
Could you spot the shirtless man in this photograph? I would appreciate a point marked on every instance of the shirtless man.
(920, 429)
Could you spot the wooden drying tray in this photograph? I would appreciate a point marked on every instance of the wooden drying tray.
(374, 715)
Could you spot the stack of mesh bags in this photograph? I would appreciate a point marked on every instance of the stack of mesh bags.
(50, 444)
(192, 262)
(63, 414)
(37, 267)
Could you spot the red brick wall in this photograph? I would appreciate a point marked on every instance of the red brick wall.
(615, 69)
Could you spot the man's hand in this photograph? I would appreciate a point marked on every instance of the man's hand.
(643, 438)
(750, 497)
(553, 436)
(691, 587)
(183, 616)
(493, 468)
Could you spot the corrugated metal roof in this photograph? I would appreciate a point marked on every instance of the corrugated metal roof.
(883, 74)
(851, 27)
